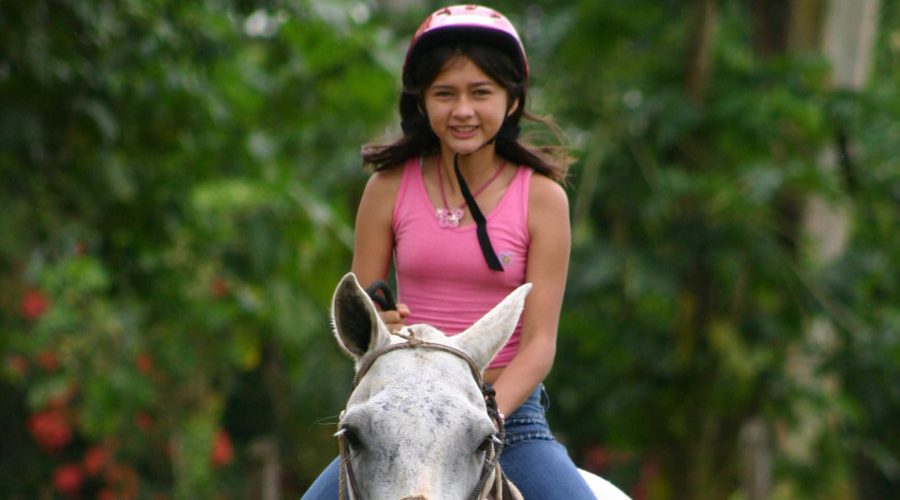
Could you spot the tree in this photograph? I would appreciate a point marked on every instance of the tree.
(692, 285)
(175, 203)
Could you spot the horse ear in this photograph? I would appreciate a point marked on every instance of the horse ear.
(357, 325)
(482, 340)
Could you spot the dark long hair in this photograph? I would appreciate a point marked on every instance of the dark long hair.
(418, 139)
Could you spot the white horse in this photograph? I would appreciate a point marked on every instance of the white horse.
(417, 425)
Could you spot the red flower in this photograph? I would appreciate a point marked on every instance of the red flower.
(648, 474)
(67, 479)
(50, 430)
(34, 304)
(17, 364)
(48, 360)
(144, 363)
(222, 452)
(122, 480)
(94, 460)
(107, 494)
(143, 421)
(219, 288)
(596, 458)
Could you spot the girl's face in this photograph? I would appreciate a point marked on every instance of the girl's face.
(465, 106)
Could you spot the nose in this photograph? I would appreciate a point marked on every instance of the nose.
(463, 108)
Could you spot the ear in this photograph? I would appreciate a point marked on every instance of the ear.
(357, 324)
(512, 107)
(482, 340)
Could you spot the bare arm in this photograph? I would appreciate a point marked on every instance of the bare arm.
(548, 262)
(373, 243)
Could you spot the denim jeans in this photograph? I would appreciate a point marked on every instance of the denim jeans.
(538, 465)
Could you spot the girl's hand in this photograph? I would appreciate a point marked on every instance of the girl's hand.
(394, 319)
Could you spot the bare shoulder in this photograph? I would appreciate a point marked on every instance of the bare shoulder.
(547, 200)
(381, 191)
(385, 181)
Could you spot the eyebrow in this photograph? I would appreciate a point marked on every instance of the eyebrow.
(471, 85)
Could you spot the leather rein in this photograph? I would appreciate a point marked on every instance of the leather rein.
(499, 486)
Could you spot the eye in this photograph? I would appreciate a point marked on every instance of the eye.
(486, 444)
(441, 94)
(351, 436)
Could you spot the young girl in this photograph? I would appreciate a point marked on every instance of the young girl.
(467, 213)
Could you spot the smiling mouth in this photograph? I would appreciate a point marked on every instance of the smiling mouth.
(464, 130)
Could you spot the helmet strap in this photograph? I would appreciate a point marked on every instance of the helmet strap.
(487, 250)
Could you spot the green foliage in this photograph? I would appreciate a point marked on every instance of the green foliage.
(176, 210)
(694, 283)
(179, 183)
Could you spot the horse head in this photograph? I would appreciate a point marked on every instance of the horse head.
(416, 424)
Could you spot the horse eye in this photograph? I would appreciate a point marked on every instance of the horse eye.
(485, 444)
(351, 436)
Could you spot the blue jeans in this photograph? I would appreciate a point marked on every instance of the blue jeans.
(538, 465)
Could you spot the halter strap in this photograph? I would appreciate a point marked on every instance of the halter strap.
(414, 342)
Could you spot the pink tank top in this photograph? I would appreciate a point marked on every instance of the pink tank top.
(441, 273)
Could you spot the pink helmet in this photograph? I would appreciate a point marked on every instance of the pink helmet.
(466, 23)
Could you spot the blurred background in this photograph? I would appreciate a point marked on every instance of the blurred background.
(179, 181)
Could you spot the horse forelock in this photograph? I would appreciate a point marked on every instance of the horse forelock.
(413, 371)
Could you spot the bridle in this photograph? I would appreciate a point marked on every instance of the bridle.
(492, 480)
